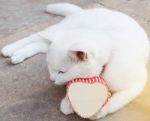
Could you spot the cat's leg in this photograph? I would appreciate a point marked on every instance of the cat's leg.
(32, 45)
(65, 106)
(28, 51)
(117, 101)
(53, 32)
(120, 98)
(26, 48)
(48, 35)
(10, 49)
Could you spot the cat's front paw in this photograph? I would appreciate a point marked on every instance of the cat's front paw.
(102, 113)
(66, 107)
(15, 59)
(8, 51)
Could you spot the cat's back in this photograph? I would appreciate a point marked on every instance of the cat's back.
(121, 28)
(100, 18)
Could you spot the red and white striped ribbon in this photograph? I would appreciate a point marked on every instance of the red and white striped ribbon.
(88, 80)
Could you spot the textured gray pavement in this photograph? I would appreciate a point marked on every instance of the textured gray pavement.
(25, 93)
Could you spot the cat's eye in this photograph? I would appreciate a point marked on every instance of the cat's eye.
(61, 72)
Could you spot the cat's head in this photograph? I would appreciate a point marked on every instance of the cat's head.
(66, 64)
(77, 54)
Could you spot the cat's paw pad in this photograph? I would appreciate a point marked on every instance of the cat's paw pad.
(7, 51)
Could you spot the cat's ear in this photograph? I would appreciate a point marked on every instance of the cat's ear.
(78, 55)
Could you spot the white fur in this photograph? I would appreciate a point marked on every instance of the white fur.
(65, 106)
(63, 9)
(108, 37)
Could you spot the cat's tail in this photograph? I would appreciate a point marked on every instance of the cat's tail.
(63, 9)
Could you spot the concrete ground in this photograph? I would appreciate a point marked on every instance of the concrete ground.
(25, 93)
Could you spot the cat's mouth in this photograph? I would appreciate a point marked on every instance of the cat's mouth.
(103, 69)
(51, 81)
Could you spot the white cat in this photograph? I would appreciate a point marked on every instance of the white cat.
(83, 43)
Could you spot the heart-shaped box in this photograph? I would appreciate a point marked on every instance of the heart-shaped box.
(87, 95)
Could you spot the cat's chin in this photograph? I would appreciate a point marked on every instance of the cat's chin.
(59, 83)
